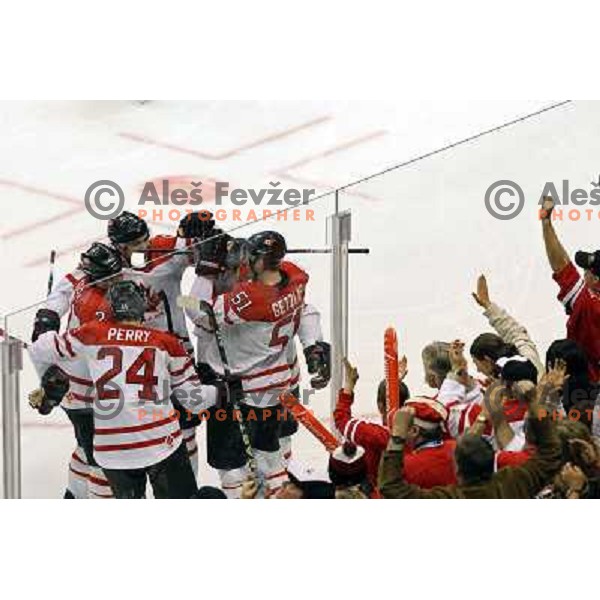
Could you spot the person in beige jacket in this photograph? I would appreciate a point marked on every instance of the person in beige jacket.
(512, 337)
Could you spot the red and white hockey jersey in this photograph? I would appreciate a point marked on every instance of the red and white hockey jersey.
(87, 303)
(163, 273)
(259, 324)
(465, 406)
(60, 297)
(373, 437)
(583, 307)
(134, 370)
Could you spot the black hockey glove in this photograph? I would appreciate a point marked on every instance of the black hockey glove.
(196, 225)
(55, 385)
(45, 320)
(318, 360)
(211, 255)
(207, 374)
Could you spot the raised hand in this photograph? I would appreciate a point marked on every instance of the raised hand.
(573, 478)
(350, 376)
(584, 453)
(402, 368)
(403, 419)
(457, 358)
(554, 379)
(482, 295)
(551, 383)
(547, 208)
(493, 404)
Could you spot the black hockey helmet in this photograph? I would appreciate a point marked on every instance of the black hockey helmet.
(127, 301)
(268, 245)
(126, 228)
(100, 261)
(236, 252)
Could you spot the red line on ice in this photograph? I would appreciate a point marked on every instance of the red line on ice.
(229, 153)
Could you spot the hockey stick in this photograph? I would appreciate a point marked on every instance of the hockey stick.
(390, 360)
(163, 296)
(51, 275)
(288, 251)
(308, 419)
(202, 305)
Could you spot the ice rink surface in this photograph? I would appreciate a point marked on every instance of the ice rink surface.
(426, 225)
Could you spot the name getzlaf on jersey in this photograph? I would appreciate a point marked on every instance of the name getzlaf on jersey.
(134, 371)
(259, 323)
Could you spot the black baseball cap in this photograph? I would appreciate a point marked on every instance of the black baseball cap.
(589, 261)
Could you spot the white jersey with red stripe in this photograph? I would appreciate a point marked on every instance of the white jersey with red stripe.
(61, 296)
(463, 405)
(163, 273)
(134, 369)
(84, 303)
(259, 323)
(81, 392)
(88, 303)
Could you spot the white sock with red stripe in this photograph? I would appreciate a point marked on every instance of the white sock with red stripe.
(78, 474)
(99, 488)
(285, 445)
(189, 437)
(232, 480)
(271, 468)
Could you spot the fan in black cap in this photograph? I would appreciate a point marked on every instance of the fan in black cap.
(590, 261)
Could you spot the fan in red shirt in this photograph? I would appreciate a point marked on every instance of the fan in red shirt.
(430, 458)
(579, 295)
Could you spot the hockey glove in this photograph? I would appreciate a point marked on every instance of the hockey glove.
(196, 225)
(206, 373)
(211, 255)
(318, 360)
(45, 320)
(54, 386)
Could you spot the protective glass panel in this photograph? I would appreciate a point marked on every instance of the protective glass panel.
(431, 232)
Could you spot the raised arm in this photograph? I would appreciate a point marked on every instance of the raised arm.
(557, 255)
(492, 411)
(507, 327)
(362, 433)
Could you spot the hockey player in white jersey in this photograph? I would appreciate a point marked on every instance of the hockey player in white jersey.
(166, 257)
(135, 369)
(259, 319)
(87, 303)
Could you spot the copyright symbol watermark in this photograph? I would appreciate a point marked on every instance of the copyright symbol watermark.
(100, 199)
(504, 199)
(106, 409)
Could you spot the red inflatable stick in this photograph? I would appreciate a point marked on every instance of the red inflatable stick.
(308, 419)
(390, 360)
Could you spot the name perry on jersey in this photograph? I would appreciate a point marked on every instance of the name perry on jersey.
(128, 335)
